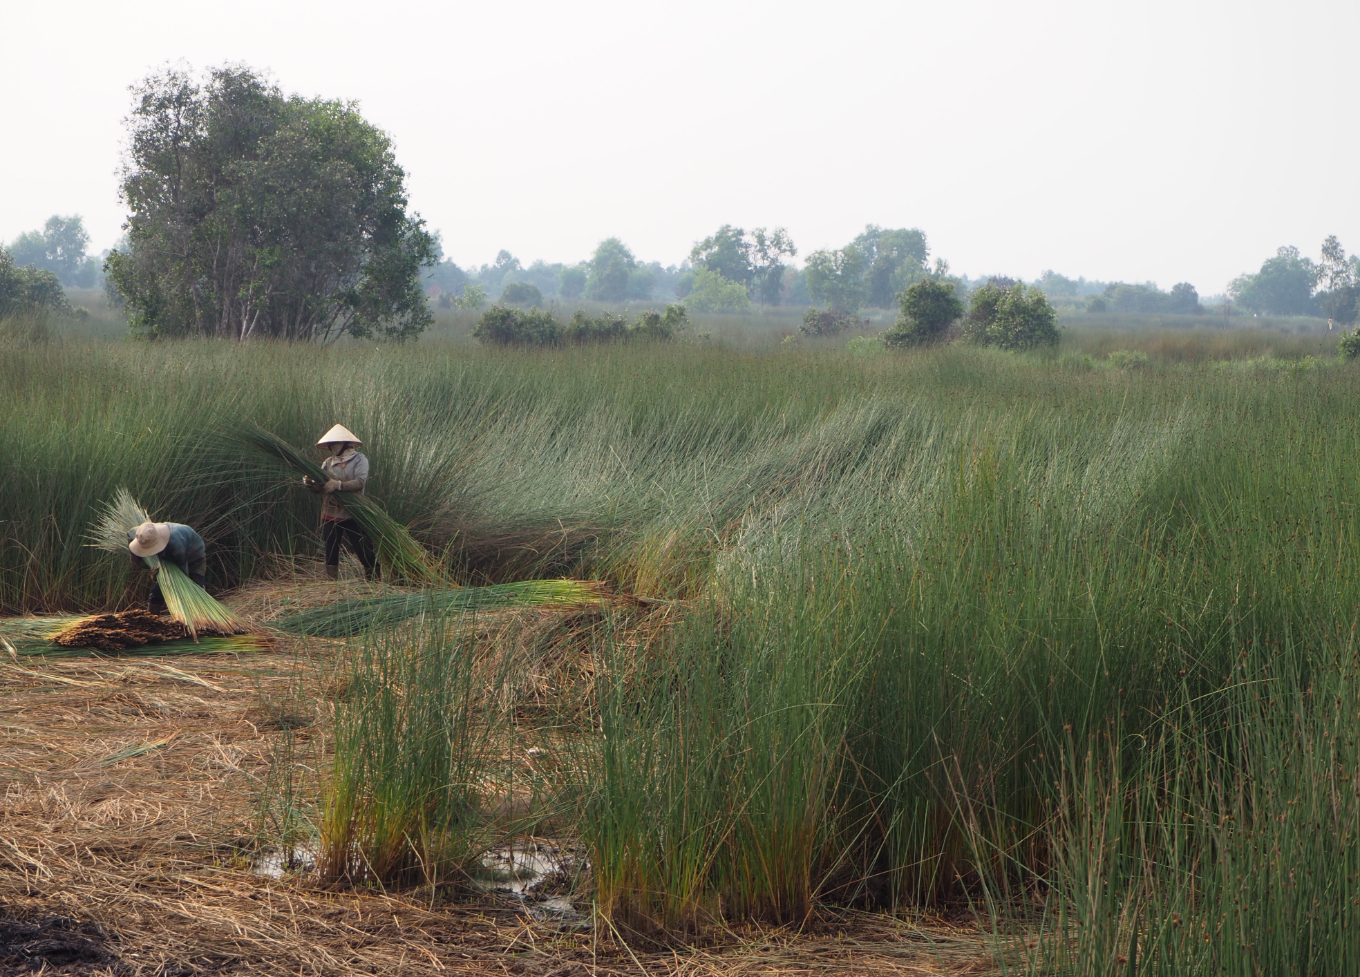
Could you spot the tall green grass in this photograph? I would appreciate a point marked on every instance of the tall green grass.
(947, 610)
(403, 800)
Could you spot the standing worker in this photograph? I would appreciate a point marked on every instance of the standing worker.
(346, 471)
(171, 541)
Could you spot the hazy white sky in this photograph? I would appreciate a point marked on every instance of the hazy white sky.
(1136, 140)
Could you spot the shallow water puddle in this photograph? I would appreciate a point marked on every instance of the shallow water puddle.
(287, 861)
(539, 873)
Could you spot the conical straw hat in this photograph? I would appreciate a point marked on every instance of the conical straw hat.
(338, 433)
(149, 538)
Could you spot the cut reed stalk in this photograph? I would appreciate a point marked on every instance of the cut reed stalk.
(191, 605)
(355, 617)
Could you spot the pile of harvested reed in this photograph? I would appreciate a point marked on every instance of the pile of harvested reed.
(351, 617)
(116, 632)
(128, 633)
(398, 551)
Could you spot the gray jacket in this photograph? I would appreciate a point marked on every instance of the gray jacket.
(351, 470)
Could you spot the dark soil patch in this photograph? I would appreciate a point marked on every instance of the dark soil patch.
(53, 942)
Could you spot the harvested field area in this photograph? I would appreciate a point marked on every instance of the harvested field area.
(131, 843)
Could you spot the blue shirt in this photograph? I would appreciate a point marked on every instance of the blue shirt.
(185, 548)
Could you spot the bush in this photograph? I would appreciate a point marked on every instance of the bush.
(1013, 318)
(1349, 347)
(27, 290)
(714, 293)
(1128, 359)
(502, 325)
(828, 322)
(522, 293)
(928, 309)
(866, 345)
(663, 326)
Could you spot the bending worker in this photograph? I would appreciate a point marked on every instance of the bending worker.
(171, 541)
(346, 471)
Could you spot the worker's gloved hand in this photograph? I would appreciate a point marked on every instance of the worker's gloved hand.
(311, 484)
(333, 485)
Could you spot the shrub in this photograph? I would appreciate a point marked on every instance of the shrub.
(472, 299)
(714, 293)
(501, 325)
(1013, 318)
(603, 328)
(828, 322)
(663, 326)
(866, 345)
(522, 293)
(1128, 359)
(928, 308)
(25, 290)
(1349, 347)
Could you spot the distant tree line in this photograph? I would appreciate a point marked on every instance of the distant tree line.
(1292, 284)
(728, 270)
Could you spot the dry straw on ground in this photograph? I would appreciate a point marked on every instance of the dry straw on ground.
(127, 806)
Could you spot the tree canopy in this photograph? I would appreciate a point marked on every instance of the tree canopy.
(59, 248)
(836, 278)
(893, 260)
(614, 275)
(928, 309)
(25, 289)
(253, 213)
(1007, 314)
(1283, 286)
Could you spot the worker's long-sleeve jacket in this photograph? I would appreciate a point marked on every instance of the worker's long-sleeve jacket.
(351, 471)
(185, 550)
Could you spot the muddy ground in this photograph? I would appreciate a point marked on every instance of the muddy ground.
(128, 831)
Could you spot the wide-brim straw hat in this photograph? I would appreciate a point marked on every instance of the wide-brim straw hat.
(150, 539)
(338, 433)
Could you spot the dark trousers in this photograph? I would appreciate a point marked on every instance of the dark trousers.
(335, 532)
(198, 573)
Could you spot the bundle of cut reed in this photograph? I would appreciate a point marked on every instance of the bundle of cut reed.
(353, 617)
(398, 551)
(189, 604)
(193, 606)
(38, 637)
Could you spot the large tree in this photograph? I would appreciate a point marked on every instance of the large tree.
(613, 274)
(257, 214)
(59, 248)
(727, 252)
(1283, 286)
(836, 278)
(894, 259)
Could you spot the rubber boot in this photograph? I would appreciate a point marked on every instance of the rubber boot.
(332, 572)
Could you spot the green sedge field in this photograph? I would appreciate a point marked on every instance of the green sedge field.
(997, 663)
